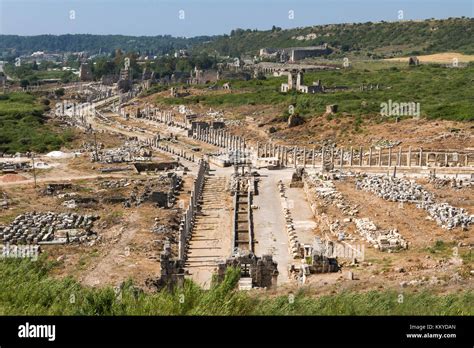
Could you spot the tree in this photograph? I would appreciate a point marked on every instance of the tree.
(24, 83)
(59, 92)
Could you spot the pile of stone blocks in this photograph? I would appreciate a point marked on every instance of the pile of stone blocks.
(447, 216)
(402, 190)
(380, 239)
(394, 189)
(48, 228)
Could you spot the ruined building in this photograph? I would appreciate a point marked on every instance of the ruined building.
(294, 54)
(85, 72)
(124, 83)
(295, 81)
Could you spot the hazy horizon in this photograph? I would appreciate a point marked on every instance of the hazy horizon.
(207, 17)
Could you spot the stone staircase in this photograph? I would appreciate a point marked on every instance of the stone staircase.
(210, 236)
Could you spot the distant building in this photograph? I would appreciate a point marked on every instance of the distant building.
(295, 81)
(294, 54)
(198, 76)
(181, 54)
(124, 83)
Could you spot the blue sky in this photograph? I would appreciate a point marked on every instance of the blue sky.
(207, 17)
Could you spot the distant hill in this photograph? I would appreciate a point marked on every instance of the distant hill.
(94, 43)
(385, 39)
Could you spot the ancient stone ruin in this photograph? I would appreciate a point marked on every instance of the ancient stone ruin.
(262, 270)
(402, 190)
(48, 228)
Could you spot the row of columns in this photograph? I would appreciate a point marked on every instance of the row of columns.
(155, 142)
(188, 219)
(163, 116)
(220, 137)
(296, 156)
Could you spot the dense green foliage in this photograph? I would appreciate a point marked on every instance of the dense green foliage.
(22, 126)
(95, 43)
(162, 66)
(34, 73)
(445, 93)
(27, 289)
(388, 38)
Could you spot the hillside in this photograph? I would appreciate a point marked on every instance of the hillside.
(94, 43)
(384, 39)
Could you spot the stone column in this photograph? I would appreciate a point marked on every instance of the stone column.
(370, 156)
(409, 157)
(258, 149)
(314, 157)
(294, 157)
(351, 156)
(304, 157)
(421, 156)
(361, 156)
(322, 157)
(380, 157)
(389, 157)
(342, 157)
(399, 159)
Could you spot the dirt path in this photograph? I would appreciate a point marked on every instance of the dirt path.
(110, 268)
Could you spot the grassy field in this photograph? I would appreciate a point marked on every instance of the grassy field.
(27, 289)
(443, 93)
(23, 127)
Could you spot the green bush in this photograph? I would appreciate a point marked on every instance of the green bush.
(27, 289)
(23, 127)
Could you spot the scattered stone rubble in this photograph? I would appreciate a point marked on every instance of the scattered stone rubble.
(327, 192)
(447, 216)
(402, 190)
(48, 228)
(131, 151)
(111, 184)
(384, 240)
(54, 189)
(385, 144)
(451, 182)
(380, 239)
(160, 190)
(294, 244)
